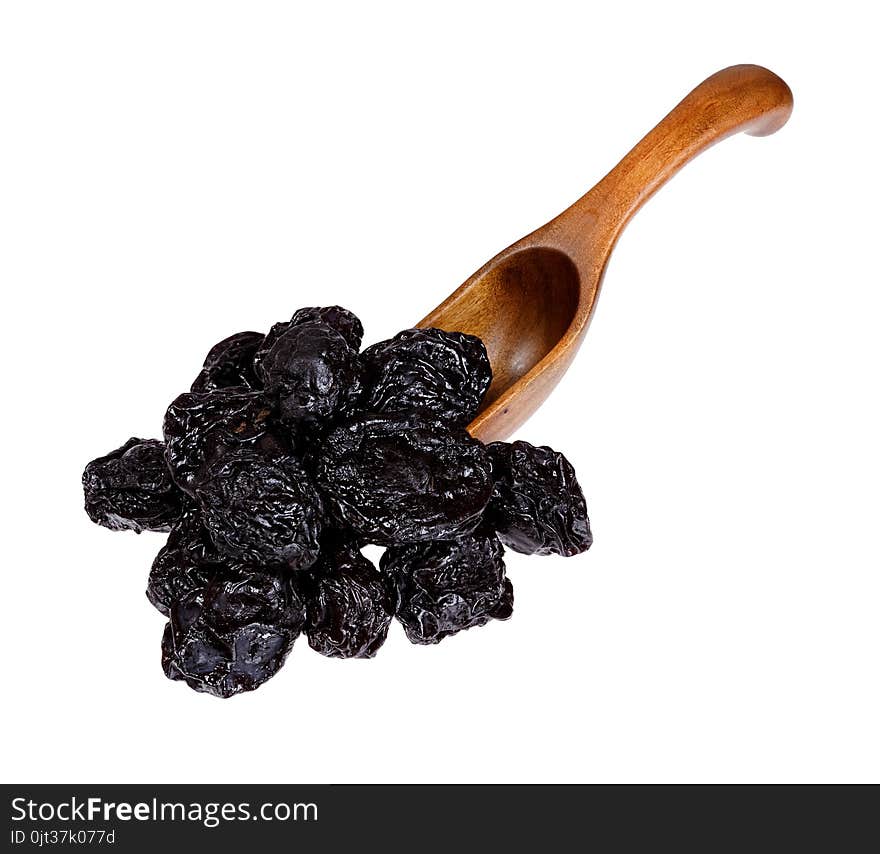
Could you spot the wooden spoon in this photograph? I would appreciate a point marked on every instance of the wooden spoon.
(531, 304)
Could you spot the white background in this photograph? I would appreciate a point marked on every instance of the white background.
(174, 172)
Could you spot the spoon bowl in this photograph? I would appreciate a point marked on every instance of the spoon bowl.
(531, 304)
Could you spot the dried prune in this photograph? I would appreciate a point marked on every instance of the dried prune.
(312, 371)
(397, 478)
(230, 364)
(234, 633)
(186, 562)
(260, 509)
(131, 489)
(444, 374)
(201, 427)
(537, 506)
(337, 318)
(446, 586)
(349, 604)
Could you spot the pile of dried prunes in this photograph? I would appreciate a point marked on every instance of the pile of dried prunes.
(293, 450)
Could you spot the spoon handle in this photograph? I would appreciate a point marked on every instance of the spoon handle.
(745, 98)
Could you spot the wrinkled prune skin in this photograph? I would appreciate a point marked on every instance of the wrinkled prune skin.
(268, 342)
(444, 374)
(261, 510)
(230, 364)
(337, 318)
(446, 586)
(199, 428)
(234, 633)
(130, 489)
(186, 562)
(312, 372)
(397, 478)
(537, 505)
(291, 452)
(349, 604)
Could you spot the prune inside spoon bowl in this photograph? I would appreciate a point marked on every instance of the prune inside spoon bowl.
(531, 303)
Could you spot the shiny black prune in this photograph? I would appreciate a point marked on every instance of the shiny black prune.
(397, 478)
(446, 586)
(337, 318)
(260, 509)
(312, 371)
(230, 364)
(186, 562)
(234, 633)
(537, 506)
(442, 374)
(349, 604)
(131, 489)
(199, 428)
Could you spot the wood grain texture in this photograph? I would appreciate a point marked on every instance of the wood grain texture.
(532, 303)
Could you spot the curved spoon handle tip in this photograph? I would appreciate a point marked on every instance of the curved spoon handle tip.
(747, 98)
